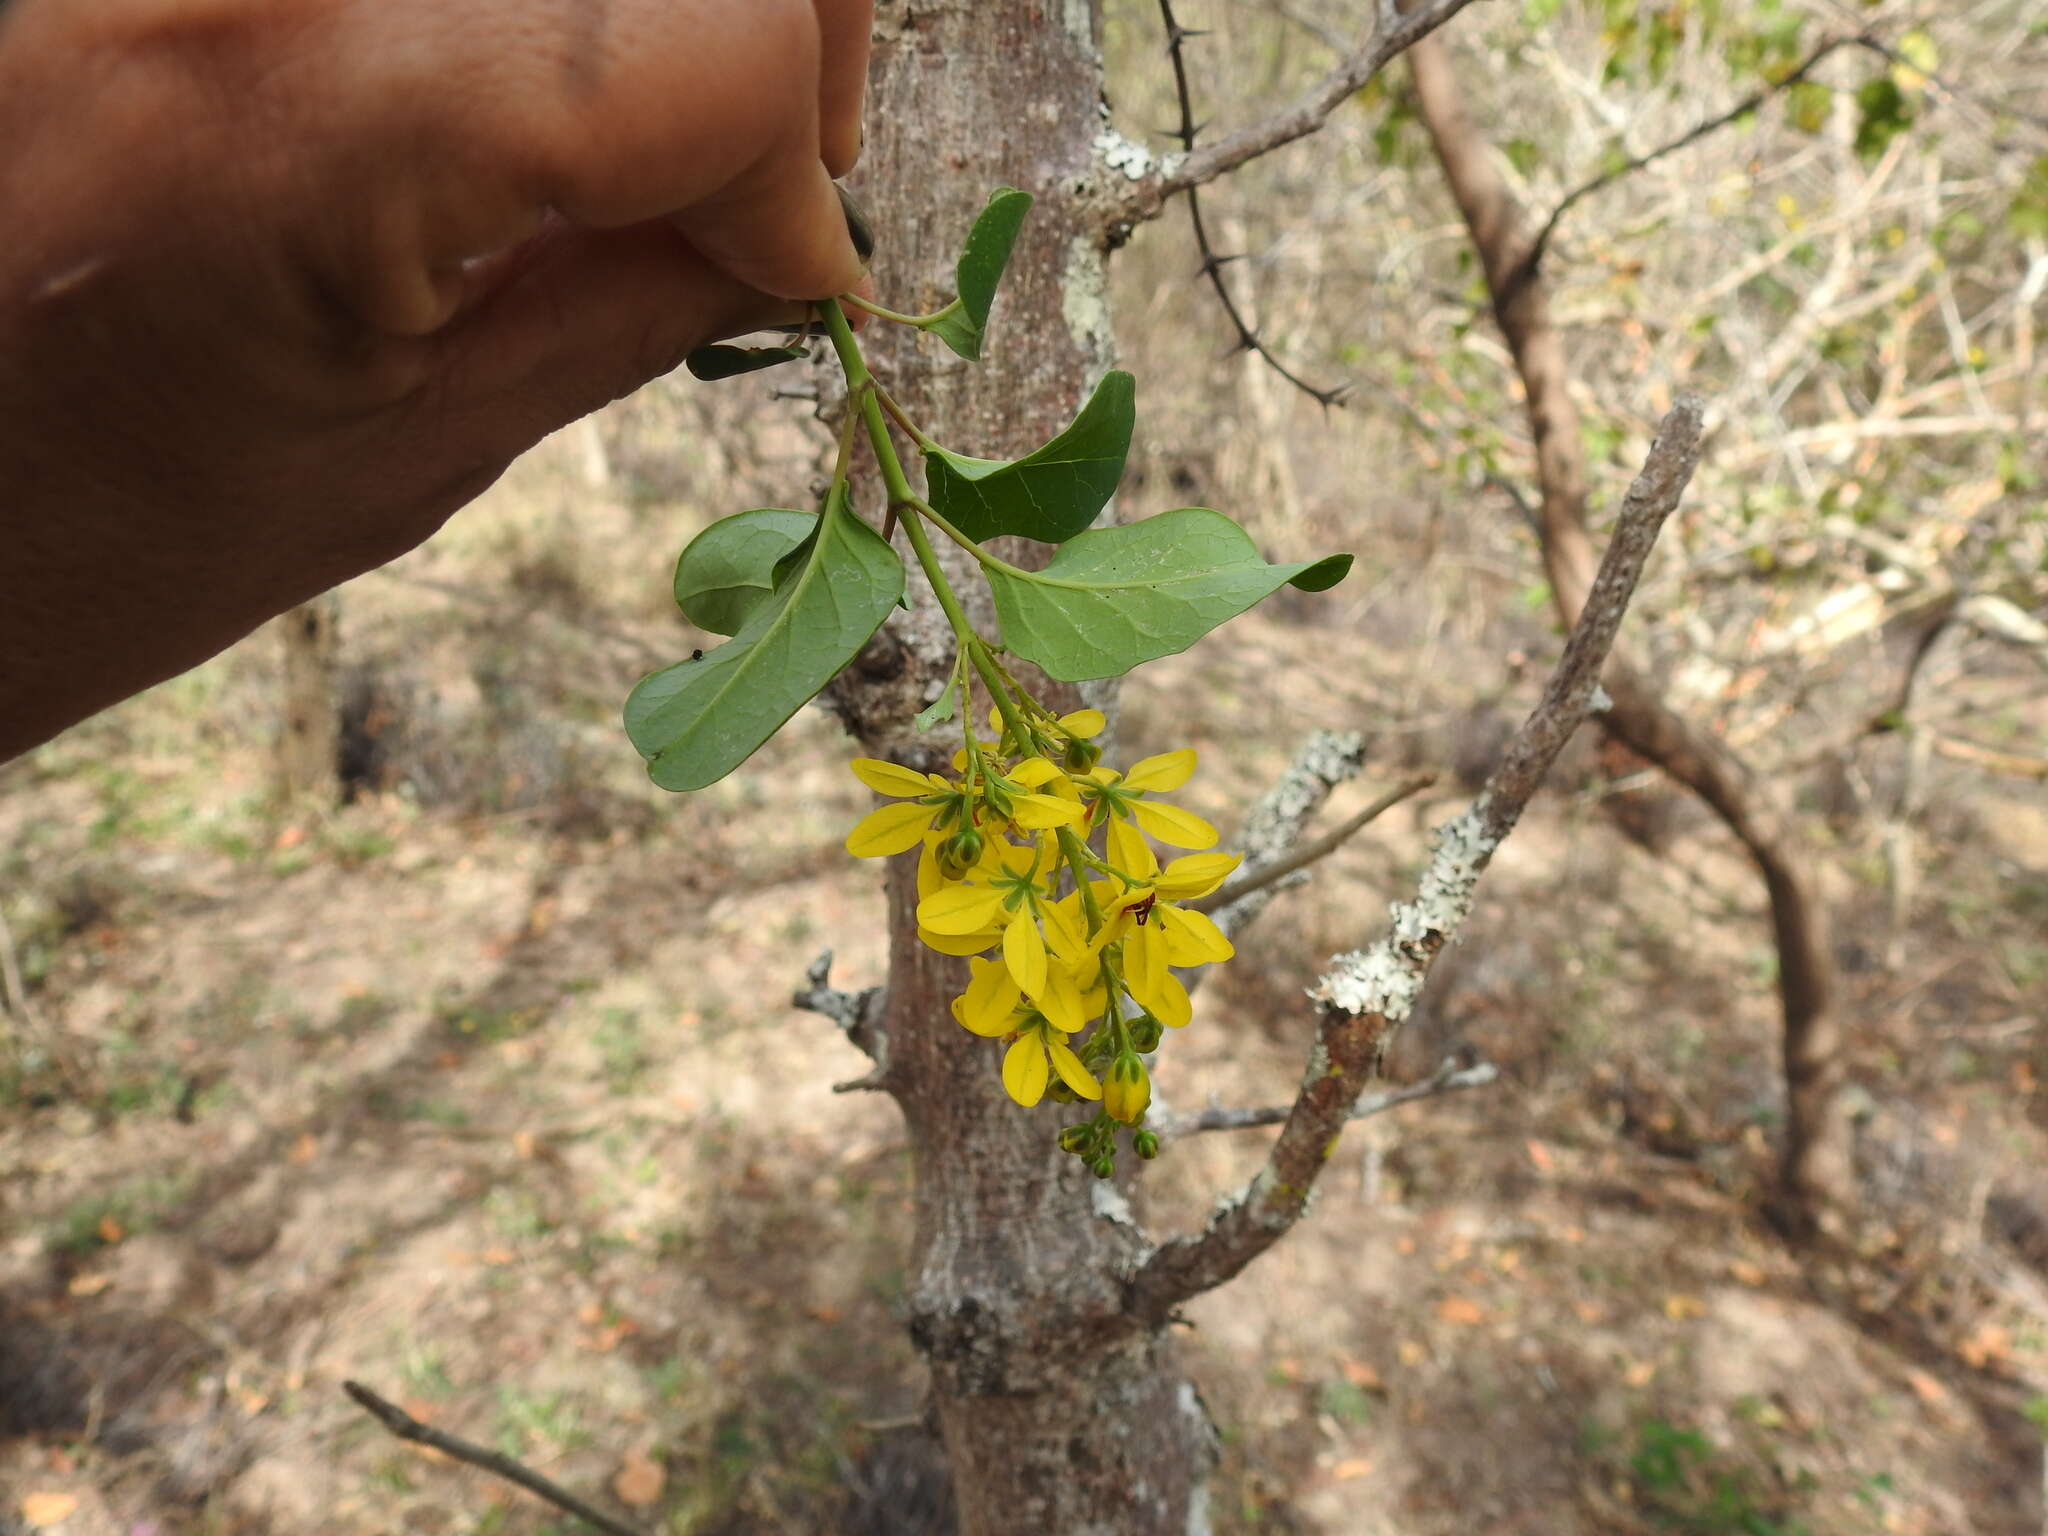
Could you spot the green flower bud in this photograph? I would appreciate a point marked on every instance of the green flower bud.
(1103, 1165)
(1146, 1145)
(1076, 1138)
(1145, 1033)
(959, 853)
(1081, 755)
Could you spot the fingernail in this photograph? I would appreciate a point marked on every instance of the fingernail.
(858, 229)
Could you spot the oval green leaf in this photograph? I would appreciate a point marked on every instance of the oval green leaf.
(1116, 597)
(979, 272)
(698, 720)
(719, 361)
(730, 566)
(1050, 494)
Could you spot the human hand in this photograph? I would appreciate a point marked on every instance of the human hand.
(286, 282)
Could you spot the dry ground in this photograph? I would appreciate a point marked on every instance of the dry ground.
(482, 1087)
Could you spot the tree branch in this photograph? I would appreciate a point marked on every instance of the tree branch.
(1532, 258)
(1273, 826)
(859, 1016)
(406, 1427)
(1144, 197)
(1449, 1077)
(1212, 264)
(1256, 880)
(1366, 993)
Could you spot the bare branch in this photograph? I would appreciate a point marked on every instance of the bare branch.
(1143, 198)
(1274, 824)
(406, 1427)
(858, 1015)
(1533, 256)
(1449, 1077)
(1255, 880)
(1366, 993)
(1212, 264)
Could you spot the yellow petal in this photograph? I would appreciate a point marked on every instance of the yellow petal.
(959, 943)
(989, 1004)
(1034, 771)
(1195, 874)
(1168, 770)
(1083, 723)
(1129, 851)
(1060, 1001)
(960, 909)
(1144, 960)
(893, 778)
(890, 829)
(1072, 1073)
(1024, 953)
(1171, 824)
(1024, 1070)
(1191, 937)
(1165, 999)
(1066, 932)
(1038, 812)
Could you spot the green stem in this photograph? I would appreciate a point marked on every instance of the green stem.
(863, 391)
(880, 312)
(1076, 856)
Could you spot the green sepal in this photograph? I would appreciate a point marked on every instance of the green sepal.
(1050, 494)
(979, 271)
(719, 361)
(1115, 597)
(940, 710)
(698, 720)
(730, 567)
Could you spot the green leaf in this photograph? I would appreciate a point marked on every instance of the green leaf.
(1051, 494)
(730, 566)
(719, 361)
(1116, 597)
(980, 269)
(1884, 112)
(698, 720)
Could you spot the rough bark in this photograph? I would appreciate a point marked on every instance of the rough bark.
(309, 743)
(1816, 1178)
(1059, 1410)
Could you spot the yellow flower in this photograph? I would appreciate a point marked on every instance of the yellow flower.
(931, 803)
(1123, 801)
(1158, 935)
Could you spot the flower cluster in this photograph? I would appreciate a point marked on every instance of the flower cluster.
(1037, 860)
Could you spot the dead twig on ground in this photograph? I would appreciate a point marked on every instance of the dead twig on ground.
(406, 1427)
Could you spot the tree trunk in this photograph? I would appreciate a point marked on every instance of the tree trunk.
(1059, 1411)
(309, 744)
(1816, 1177)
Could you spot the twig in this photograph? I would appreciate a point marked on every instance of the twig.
(1533, 257)
(1366, 993)
(1274, 824)
(1143, 198)
(1449, 1077)
(14, 1001)
(858, 1015)
(406, 1427)
(1267, 874)
(1212, 264)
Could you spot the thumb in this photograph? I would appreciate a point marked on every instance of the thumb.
(580, 318)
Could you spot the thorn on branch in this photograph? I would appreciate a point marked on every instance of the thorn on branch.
(402, 1424)
(1212, 264)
